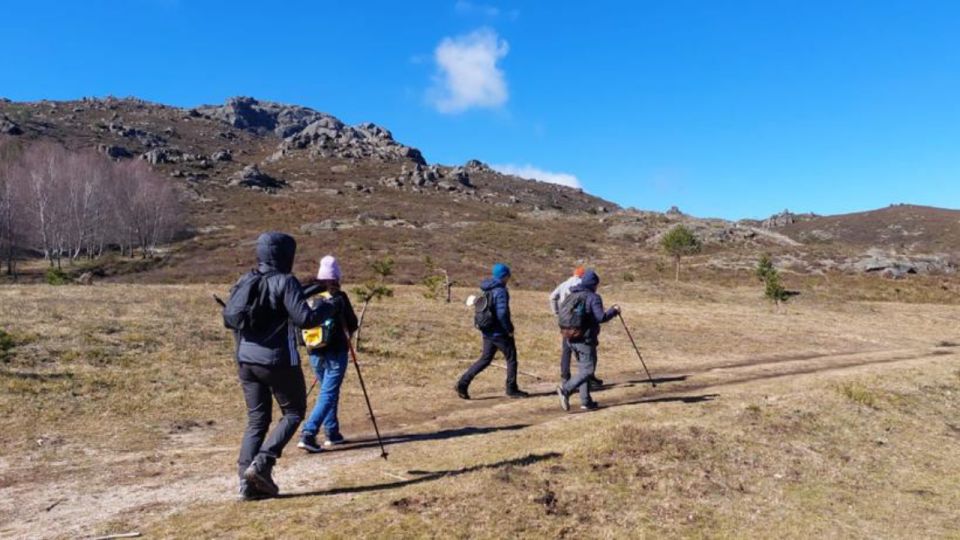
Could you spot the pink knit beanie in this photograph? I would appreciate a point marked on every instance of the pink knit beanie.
(329, 269)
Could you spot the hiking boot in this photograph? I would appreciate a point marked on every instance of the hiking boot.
(595, 381)
(308, 442)
(334, 440)
(462, 391)
(590, 406)
(250, 493)
(258, 475)
(595, 384)
(516, 393)
(564, 398)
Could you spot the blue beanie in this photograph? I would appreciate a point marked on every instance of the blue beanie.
(500, 271)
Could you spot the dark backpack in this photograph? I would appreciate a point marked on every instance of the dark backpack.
(248, 308)
(484, 317)
(572, 316)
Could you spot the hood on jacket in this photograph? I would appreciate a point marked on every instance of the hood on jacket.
(590, 280)
(491, 284)
(275, 251)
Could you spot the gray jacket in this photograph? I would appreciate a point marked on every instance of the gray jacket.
(561, 293)
(276, 344)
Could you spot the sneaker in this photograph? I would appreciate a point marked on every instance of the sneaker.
(590, 406)
(462, 391)
(333, 440)
(564, 398)
(308, 442)
(517, 393)
(250, 493)
(258, 474)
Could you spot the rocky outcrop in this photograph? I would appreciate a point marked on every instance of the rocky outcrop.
(158, 156)
(147, 139)
(302, 128)
(786, 218)
(261, 117)
(252, 177)
(9, 127)
(896, 265)
(114, 152)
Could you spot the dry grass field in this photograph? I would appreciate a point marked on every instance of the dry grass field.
(830, 417)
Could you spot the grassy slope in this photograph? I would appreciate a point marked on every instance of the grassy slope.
(116, 393)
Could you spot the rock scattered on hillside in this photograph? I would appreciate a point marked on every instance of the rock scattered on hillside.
(114, 152)
(252, 177)
(9, 127)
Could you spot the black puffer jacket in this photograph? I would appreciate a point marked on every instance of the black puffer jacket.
(276, 345)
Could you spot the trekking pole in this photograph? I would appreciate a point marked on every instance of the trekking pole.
(634, 343)
(501, 366)
(353, 354)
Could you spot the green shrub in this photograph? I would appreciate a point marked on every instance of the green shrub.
(859, 394)
(6, 346)
(56, 276)
(628, 277)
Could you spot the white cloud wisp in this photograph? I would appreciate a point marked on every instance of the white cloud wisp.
(467, 72)
(535, 173)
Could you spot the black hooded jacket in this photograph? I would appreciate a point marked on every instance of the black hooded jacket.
(276, 345)
(596, 315)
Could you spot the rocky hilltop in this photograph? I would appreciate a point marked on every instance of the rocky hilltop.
(249, 165)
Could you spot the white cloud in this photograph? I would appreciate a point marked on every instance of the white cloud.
(536, 173)
(467, 72)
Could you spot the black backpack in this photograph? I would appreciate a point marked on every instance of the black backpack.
(572, 316)
(484, 317)
(248, 307)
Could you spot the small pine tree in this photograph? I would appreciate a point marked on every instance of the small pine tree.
(374, 290)
(765, 267)
(678, 243)
(773, 288)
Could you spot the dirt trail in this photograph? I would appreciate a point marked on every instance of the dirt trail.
(72, 503)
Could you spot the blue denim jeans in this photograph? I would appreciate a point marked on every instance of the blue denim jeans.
(330, 368)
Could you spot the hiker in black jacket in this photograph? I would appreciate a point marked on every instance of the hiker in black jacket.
(268, 365)
(498, 337)
(586, 347)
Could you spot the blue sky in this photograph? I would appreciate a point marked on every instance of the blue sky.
(723, 108)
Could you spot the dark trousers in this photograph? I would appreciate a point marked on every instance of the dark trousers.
(261, 384)
(565, 354)
(586, 366)
(491, 345)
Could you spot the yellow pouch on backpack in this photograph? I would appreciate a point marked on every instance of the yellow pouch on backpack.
(319, 337)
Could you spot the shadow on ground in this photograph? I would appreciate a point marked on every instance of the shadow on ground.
(441, 435)
(428, 476)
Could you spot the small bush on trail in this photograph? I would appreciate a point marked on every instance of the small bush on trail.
(859, 394)
(56, 276)
(6, 346)
(628, 277)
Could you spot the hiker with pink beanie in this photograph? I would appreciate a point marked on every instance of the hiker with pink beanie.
(329, 353)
